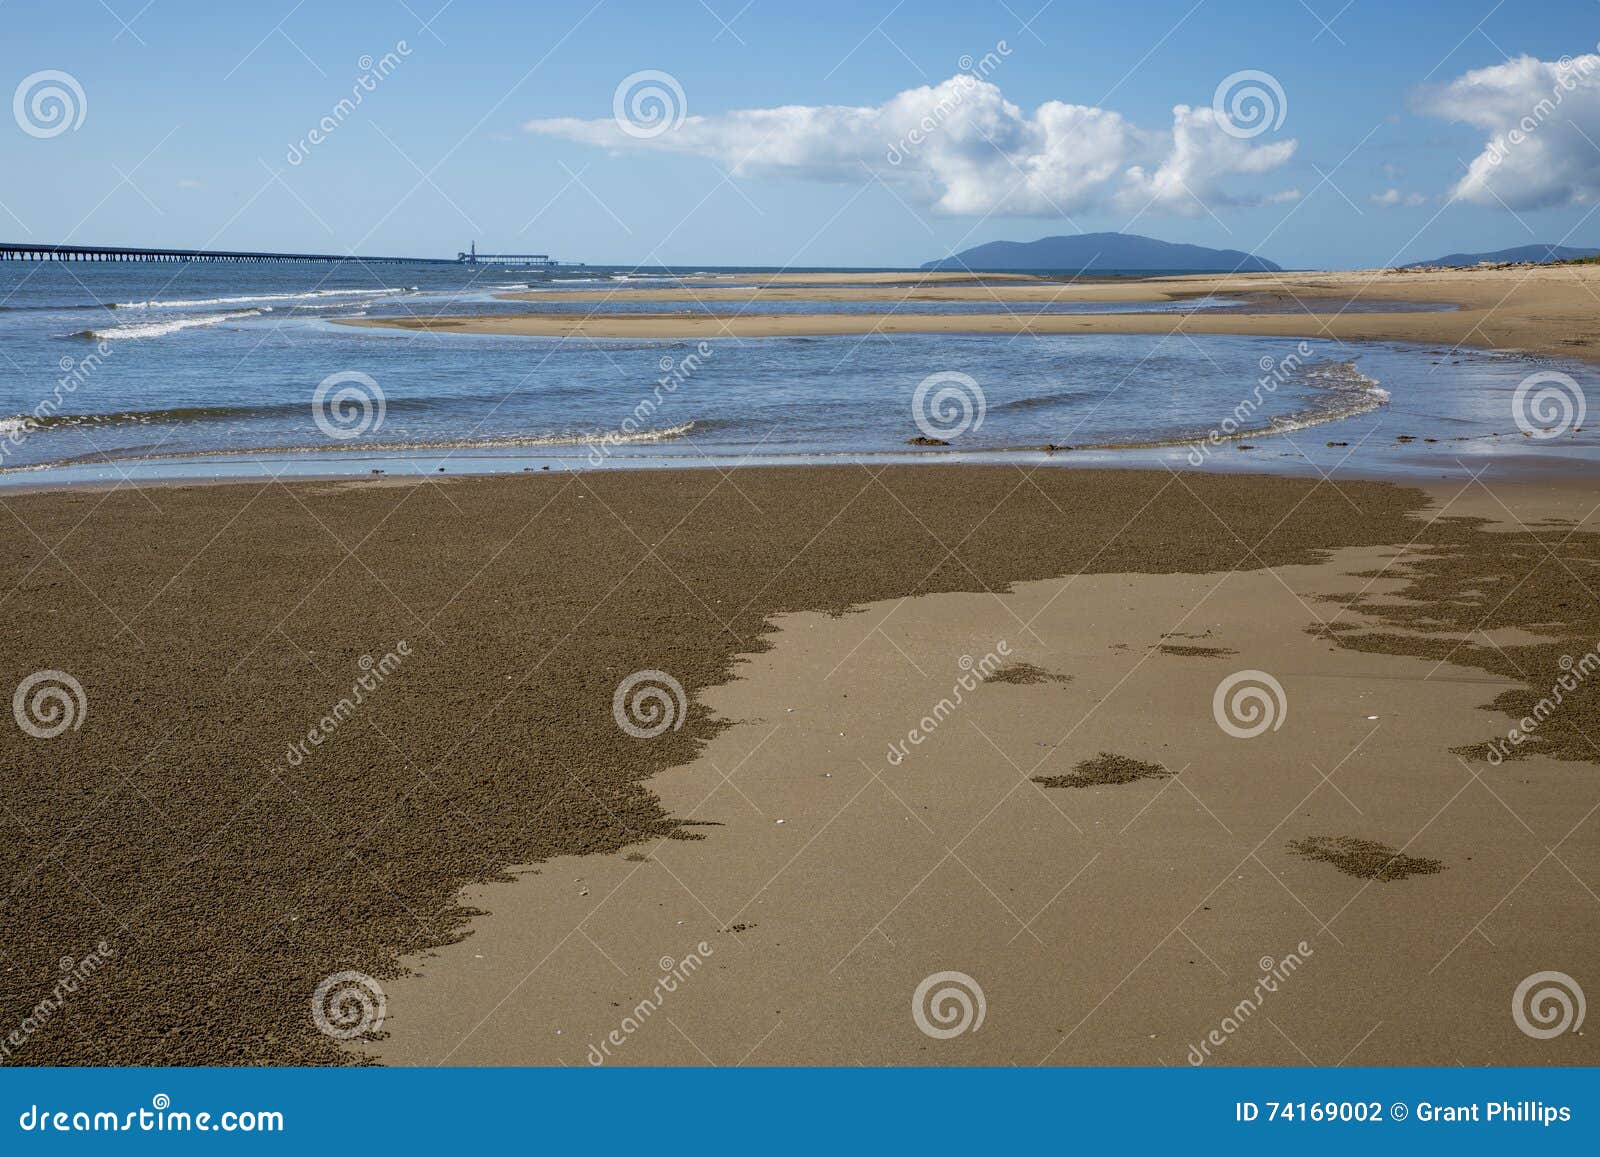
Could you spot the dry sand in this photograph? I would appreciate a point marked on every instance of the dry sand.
(1546, 310)
(212, 626)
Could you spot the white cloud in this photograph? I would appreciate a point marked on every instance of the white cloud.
(962, 148)
(1390, 198)
(1543, 121)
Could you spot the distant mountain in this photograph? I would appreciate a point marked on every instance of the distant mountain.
(1537, 253)
(1102, 251)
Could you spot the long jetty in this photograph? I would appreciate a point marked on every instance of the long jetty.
(36, 252)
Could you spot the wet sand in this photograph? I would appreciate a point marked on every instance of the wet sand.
(1107, 925)
(1543, 310)
(211, 627)
(879, 278)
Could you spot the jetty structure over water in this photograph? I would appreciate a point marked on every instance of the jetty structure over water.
(34, 251)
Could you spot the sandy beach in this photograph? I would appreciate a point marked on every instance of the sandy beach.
(1543, 310)
(481, 837)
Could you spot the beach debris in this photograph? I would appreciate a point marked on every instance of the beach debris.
(1106, 769)
(1365, 859)
(1025, 674)
(1194, 651)
(924, 440)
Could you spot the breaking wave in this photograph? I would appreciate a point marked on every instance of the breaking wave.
(162, 328)
(256, 298)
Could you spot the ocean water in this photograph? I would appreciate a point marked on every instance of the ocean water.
(112, 371)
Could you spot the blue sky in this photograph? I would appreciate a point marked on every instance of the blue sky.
(190, 111)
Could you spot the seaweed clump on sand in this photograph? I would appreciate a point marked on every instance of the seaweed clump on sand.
(1106, 769)
(1198, 652)
(1366, 859)
(1024, 674)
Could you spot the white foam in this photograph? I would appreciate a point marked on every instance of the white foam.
(308, 295)
(599, 437)
(162, 328)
